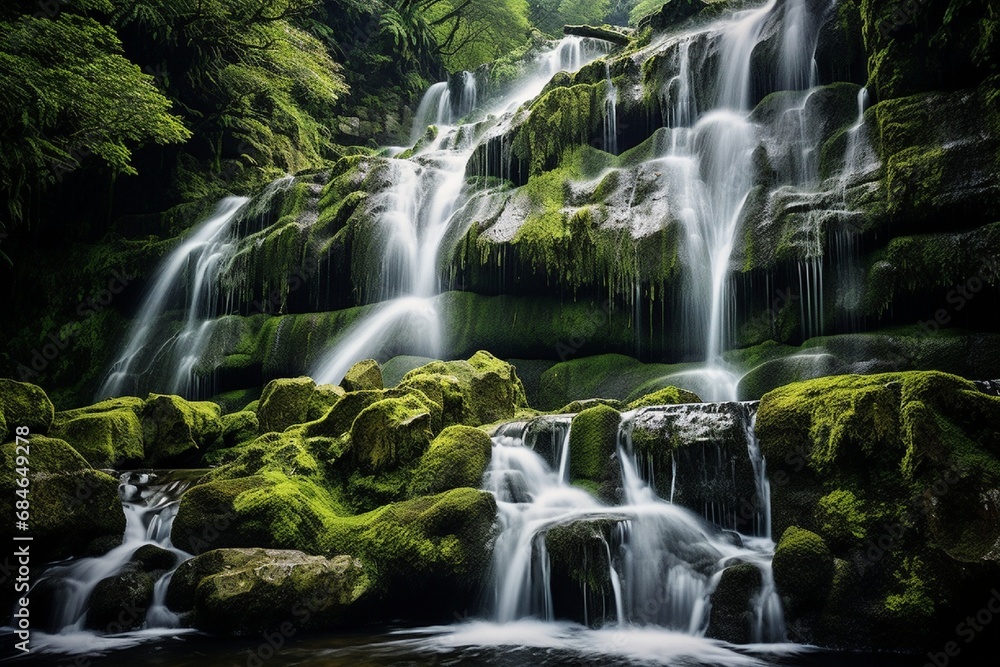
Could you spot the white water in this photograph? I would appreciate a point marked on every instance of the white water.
(417, 215)
(150, 506)
(663, 560)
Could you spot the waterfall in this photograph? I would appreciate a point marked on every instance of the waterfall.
(149, 501)
(662, 560)
(163, 355)
(416, 216)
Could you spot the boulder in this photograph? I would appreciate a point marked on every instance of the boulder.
(23, 404)
(250, 591)
(803, 569)
(285, 402)
(107, 439)
(362, 376)
(239, 427)
(71, 503)
(119, 603)
(173, 427)
(456, 458)
(732, 615)
(593, 447)
(482, 390)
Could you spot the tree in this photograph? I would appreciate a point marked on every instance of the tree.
(70, 95)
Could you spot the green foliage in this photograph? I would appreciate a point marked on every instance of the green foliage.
(69, 94)
(472, 32)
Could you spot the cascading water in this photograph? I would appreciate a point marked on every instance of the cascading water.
(160, 354)
(417, 215)
(662, 562)
(149, 501)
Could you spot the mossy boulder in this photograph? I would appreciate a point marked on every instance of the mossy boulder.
(665, 396)
(270, 510)
(249, 591)
(362, 376)
(578, 555)
(732, 615)
(429, 555)
(119, 603)
(287, 453)
(895, 474)
(482, 390)
(152, 558)
(593, 444)
(390, 433)
(106, 439)
(456, 458)
(23, 404)
(239, 427)
(803, 568)
(173, 427)
(71, 503)
(285, 402)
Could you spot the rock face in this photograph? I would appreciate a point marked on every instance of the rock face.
(883, 490)
(249, 591)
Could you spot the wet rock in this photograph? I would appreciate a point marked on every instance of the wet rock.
(732, 615)
(362, 376)
(119, 603)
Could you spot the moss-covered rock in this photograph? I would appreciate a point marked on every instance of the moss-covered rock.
(665, 396)
(152, 558)
(390, 433)
(249, 591)
(119, 603)
(23, 404)
(285, 402)
(893, 473)
(239, 427)
(431, 553)
(173, 427)
(732, 616)
(363, 375)
(106, 439)
(593, 442)
(71, 504)
(578, 555)
(803, 568)
(482, 390)
(270, 510)
(456, 458)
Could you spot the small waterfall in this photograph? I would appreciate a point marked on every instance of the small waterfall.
(610, 116)
(854, 155)
(162, 355)
(149, 501)
(188, 272)
(420, 214)
(445, 103)
(662, 561)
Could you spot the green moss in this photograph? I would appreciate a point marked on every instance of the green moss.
(609, 376)
(285, 402)
(803, 568)
(841, 517)
(390, 433)
(665, 396)
(285, 453)
(456, 458)
(364, 375)
(911, 602)
(172, 427)
(429, 544)
(71, 504)
(593, 439)
(268, 510)
(558, 119)
(105, 439)
(732, 613)
(482, 390)
(239, 427)
(23, 404)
